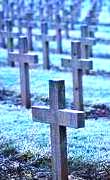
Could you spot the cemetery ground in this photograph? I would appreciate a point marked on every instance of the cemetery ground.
(25, 145)
(25, 149)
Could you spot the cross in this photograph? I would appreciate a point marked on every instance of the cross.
(29, 16)
(24, 58)
(10, 40)
(87, 31)
(9, 26)
(87, 38)
(82, 53)
(77, 65)
(45, 45)
(9, 37)
(59, 118)
(58, 34)
(46, 61)
(2, 39)
(44, 27)
(72, 14)
(12, 4)
(19, 18)
(6, 8)
(66, 22)
(50, 11)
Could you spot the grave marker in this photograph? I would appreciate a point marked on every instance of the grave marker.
(12, 4)
(8, 36)
(59, 118)
(9, 28)
(29, 17)
(24, 58)
(2, 39)
(58, 34)
(6, 8)
(10, 43)
(45, 45)
(87, 38)
(46, 61)
(77, 65)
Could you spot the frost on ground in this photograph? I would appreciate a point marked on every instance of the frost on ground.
(16, 123)
(91, 142)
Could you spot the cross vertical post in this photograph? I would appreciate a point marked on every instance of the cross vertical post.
(45, 45)
(58, 34)
(29, 30)
(24, 58)
(44, 27)
(30, 46)
(9, 36)
(6, 8)
(10, 44)
(72, 16)
(78, 66)
(12, 11)
(87, 41)
(24, 74)
(58, 133)
(46, 63)
(2, 39)
(77, 75)
(19, 18)
(85, 50)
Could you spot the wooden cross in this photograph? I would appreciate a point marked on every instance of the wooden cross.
(59, 118)
(66, 23)
(50, 11)
(87, 39)
(24, 58)
(10, 40)
(2, 39)
(87, 31)
(6, 8)
(77, 65)
(9, 35)
(58, 34)
(9, 26)
(82, 53)
(29, 16)
(44, 27)
(72, 13)
(19, 18)
(45, 45)
(12, 4)
(46, 61)
(41, 11)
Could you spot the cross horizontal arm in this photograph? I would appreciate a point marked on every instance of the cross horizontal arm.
(12, 34)
(71, 118)
(23, 58)
(85, 64)
(88, 40)
(30, 57)
(41, 114)
(13, 56)
(47, 37)
(62, 117)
